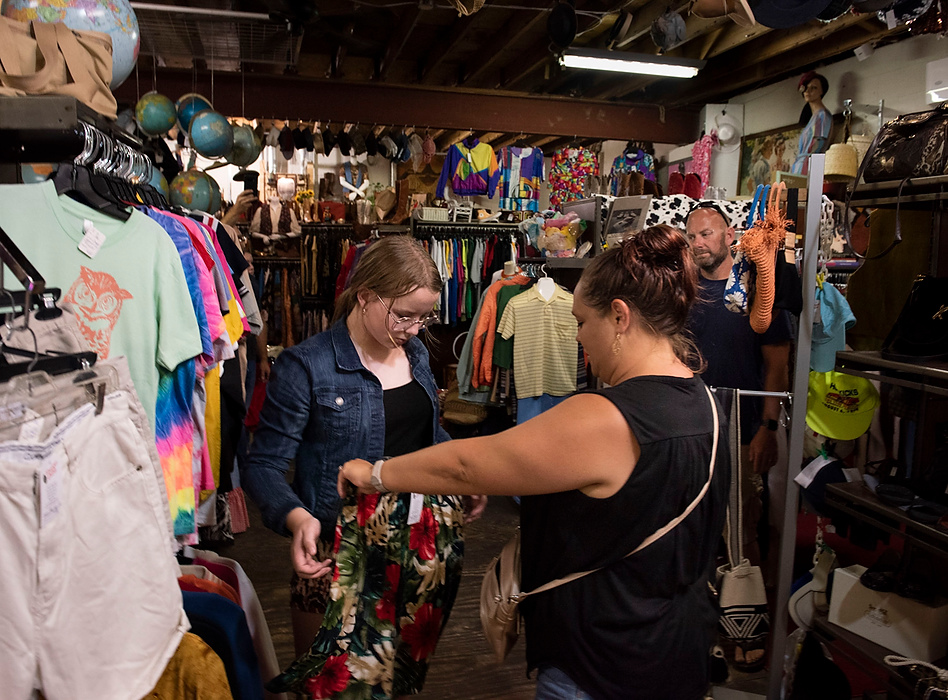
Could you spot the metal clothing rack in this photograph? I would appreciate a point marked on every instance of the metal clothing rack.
(801, 374)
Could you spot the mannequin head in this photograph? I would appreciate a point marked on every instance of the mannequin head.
(813, 87)
(286, 188)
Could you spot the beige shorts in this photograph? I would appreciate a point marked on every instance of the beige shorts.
(89, 587)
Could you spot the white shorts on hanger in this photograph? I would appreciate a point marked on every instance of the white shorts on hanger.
(90, 602)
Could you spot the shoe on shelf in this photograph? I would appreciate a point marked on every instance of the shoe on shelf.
(881, 576)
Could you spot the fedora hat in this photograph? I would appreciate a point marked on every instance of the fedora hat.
(738, 11)
(729, 132)
(783, 14)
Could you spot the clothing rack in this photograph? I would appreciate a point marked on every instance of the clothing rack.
(444, 230)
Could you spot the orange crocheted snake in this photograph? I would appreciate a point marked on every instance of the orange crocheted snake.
(760, 245)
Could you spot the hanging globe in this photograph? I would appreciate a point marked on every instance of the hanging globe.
(211, 134)
(113, 17)
(189, 105)
(246, 146)
(215, 195)
(159, 182)
(155, 114)
(192, 190)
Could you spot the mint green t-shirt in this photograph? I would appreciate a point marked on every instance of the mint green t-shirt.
(131, 298)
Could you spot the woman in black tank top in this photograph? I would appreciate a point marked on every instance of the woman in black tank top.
(599, 473)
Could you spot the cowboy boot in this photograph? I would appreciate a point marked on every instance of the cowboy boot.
(636, 184)
(402, 195)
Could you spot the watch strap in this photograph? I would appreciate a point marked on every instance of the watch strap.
(377, 477)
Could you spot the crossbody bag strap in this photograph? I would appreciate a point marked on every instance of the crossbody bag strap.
(658, 533)
(847, 224)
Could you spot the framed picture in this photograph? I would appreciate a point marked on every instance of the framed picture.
(626, 217)
(764, 154)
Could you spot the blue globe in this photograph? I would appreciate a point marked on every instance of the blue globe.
(155, 114)
(247, 146)
(211, 134)
(215, 205)
(192, 189)
(113, 17)
(159, 182)
(189, 105)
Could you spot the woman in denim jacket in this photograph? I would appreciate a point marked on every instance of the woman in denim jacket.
(364, 388)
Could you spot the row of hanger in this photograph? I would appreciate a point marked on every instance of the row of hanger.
(108, 176)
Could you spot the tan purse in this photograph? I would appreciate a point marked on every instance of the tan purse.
(40, 58)
(500, 588)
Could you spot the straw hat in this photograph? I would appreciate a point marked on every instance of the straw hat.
(842, 163)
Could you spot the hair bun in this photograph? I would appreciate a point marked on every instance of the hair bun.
(656, 246)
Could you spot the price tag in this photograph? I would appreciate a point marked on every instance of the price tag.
(890, 22)
(414, 510)
(817, 317)
(92, 239)
(50, 489)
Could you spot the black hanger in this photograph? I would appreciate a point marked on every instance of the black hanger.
(80, 183)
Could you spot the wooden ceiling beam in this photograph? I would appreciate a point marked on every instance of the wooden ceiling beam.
(450, 137)
(507, 139)
(399, 37)
(761, 61)
(521, 24)
(373, 102)
(459, 30)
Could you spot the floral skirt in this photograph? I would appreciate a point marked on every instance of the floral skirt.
(392, 591)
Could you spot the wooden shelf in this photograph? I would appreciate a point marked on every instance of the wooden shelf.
(857, 500)
(923, 376)
(918, 192)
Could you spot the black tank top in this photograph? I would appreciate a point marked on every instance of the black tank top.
(408, 419)
(642, 627)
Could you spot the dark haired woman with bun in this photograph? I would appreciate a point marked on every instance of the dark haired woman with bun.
(602, 471)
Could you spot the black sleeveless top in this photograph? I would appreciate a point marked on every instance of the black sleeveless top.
(407, 419)
(643, 626)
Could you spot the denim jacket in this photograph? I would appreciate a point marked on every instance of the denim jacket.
(323, 408)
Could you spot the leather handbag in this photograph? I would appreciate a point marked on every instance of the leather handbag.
(921, 329)
(912, 145)
(40, 58)
(500, 587)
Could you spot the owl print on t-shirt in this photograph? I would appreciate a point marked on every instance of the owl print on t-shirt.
(97, 299)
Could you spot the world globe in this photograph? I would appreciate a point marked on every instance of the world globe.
(189, 105)
(246, 146)
(113, 17)
(155, 114)
(159, 182)
(215, 195)
(211, 134)
(192, 189)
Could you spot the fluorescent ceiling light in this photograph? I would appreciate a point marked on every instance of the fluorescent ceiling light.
(937, 95)
(625, 62)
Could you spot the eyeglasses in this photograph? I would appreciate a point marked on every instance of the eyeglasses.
(706, 204)
(404, 323)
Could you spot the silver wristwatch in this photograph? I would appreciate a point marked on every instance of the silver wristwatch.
(377, 477)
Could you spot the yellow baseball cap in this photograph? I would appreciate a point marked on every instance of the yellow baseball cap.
(840, 406)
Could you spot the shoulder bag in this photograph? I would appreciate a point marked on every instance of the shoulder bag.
(500, 588)
(39, 58)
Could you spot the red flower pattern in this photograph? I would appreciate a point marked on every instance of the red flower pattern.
(338, 542)
(422, 634)
(367, 505)
(332, 679)
(385, 607)
(423, 534)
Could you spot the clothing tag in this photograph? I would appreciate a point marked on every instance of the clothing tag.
(852, 474)
(890, 22)
(32, 428)
(809, 472)
(817, 318)
(51, 478)
(470, 158)
(92, 240)
(414, 511)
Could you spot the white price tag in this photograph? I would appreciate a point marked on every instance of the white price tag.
(92, 239)
(890, 21)
(32, 428)
(817, 317)
(414, 510)
(50, 489)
